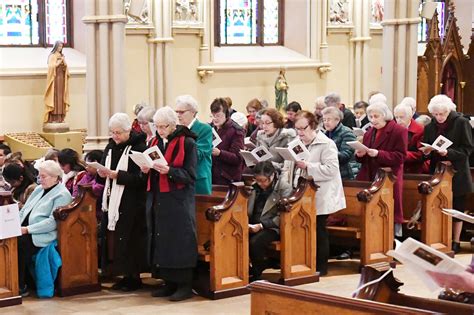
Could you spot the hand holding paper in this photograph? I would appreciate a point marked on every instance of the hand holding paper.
(441, 144)
(358, 146)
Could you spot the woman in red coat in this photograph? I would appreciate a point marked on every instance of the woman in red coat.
(387, 143)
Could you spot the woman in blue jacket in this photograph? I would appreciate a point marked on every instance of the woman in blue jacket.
(38, 226)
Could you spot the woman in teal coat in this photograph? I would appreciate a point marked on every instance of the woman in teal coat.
(186, 108)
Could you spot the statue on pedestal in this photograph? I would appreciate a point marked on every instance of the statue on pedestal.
(281, 91)
(56, 97)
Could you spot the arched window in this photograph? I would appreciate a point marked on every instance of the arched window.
(442, 17)
(35, 22)
(249, 22)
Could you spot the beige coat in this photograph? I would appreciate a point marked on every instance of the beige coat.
(323, 167)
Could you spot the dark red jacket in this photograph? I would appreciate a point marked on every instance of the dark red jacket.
(392, 147)
(414, 162)
(228, 166)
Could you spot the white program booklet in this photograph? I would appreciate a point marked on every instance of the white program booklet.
(459, 215)
(361, 131)
(296, 151)
(357, 145)
(9, 221)
(420, 258)
(249, 145)
(259, 154)
(148, 157)
(440, 144)
(97, 166)
(215, 138)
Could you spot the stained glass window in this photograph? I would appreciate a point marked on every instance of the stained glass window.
(423, 26)
(34, 22)
(248, 22)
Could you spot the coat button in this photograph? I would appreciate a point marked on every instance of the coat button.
(157, 234)
(120, 239)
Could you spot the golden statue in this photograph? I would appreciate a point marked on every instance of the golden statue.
(56, 97)
(281, 91)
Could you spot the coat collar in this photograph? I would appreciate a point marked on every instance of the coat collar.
(386, 131)
(319, 139)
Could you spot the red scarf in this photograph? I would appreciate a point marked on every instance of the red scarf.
(173, 161)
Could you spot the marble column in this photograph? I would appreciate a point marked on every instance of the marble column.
(160, 55)
(105, 77)
(360, 51)
(399, 50)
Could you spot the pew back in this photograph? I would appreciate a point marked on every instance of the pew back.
(77, 244)
(267, 298)
(298, 235)
(370, 217)
(433, 193)
(9, 290)
(222, 225)
(386, 291)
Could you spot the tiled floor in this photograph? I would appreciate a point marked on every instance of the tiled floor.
(342, 280)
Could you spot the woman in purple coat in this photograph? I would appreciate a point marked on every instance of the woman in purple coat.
(387, 143)
(227, 163)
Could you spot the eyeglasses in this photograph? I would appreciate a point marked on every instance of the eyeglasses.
(302, 128)
(268, 123)
(161, 127)
(116, 133)
(180, 112)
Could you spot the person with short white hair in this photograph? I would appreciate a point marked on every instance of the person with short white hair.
(123, 203)
(378, 98)
(333, 99)
(423, 120)
(448, 123)
(387, 143)
(319, 105)
(410, 101)
(414, 162)
(38, 226)
(340, 134)
(145, 120)
(186, 108)
(174, 250)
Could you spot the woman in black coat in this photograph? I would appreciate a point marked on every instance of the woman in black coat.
(174, 245)
(452, 125)
(123, 224)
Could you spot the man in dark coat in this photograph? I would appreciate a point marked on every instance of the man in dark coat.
(124, 243)
(334, 100)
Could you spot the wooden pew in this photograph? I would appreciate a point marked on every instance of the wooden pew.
(267, 298)
(9, 290)
(222, 226)
(386, 291)
(369, 216)
(297, 245)
(77, 244)
(434, 192)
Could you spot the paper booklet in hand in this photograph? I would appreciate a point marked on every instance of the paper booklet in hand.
(249, 145)
(216, 140)
(97, 166)
(9, 221)
(420, 258)
(440, 144)
(148, 157)
(259, 154)
(361, 131)
(296, 151)
(357, 145)
(459, 215)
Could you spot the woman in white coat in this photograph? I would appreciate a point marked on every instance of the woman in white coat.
(323, 167)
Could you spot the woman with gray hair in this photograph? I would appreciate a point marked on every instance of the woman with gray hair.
(123, 201)
(38, 226)
(174, 250)
(145, 120)
(341, 134)
(387, 143)
(452, 125)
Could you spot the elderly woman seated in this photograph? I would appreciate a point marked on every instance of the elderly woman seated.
(38, 226)
(341, 134)
(264, 218)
